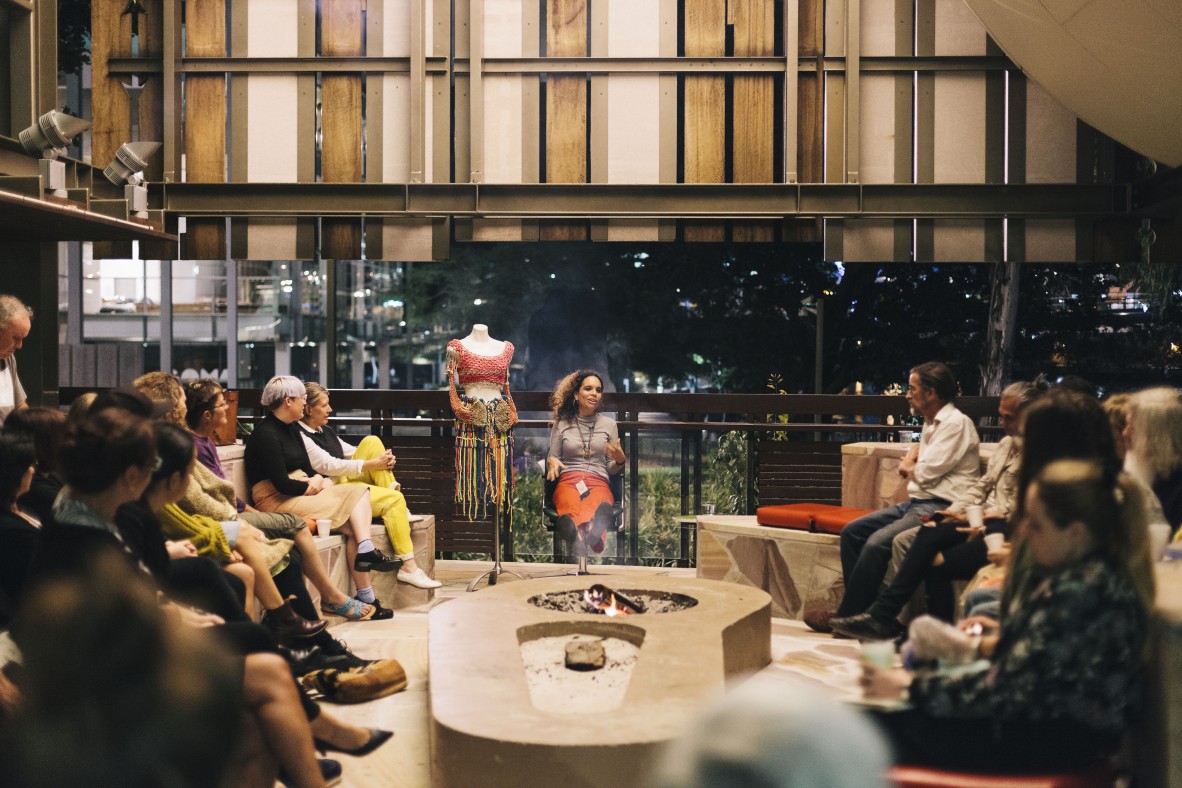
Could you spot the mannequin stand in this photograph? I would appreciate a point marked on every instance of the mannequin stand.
(497, 570)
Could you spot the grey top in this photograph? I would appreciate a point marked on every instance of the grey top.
(581, 445)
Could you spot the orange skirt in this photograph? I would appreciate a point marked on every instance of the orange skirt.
(567, 500)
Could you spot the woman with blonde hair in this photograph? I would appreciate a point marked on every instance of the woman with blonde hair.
(1066, 677)
(1153, 434)
(370, 464)
(585, 452)
(282, 479)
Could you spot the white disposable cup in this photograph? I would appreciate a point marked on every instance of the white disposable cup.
(1159, 537)
(707, 508)
(994, 541)
(878, 653)
(323, 527)
(975, 515)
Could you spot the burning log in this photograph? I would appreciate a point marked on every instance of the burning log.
(602, 599)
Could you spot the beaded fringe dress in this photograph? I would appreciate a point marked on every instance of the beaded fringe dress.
(483, 429)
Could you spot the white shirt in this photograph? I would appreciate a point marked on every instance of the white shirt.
(949, 460)
(324, 463)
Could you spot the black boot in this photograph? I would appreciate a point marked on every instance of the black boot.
(288, 626)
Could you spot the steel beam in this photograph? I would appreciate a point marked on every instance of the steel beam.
(669, 201)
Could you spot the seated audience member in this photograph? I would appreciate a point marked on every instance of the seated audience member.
(759, 736)
(103, 703)
(282, 479)
(46, 428)
(1116, 406)
(370, 464)
(107, 462)
(940, 469)
(79, 409)
(210, 495)
(945, 549)
(231, 543)
(1065, 678)
(1153, 434)
(20, 536)
(1062, 424)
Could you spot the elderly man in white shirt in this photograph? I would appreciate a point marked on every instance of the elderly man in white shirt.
(940, 469)
(16, 321)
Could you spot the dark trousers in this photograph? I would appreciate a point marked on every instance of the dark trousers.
(919, 739)
(866, 550)
(203, 584)
(962, 559)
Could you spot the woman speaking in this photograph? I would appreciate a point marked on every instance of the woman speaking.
(584, 451)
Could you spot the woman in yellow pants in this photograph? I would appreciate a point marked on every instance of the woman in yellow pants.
(370, 463)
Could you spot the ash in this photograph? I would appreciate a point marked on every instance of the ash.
(653, 601)
(555, 688)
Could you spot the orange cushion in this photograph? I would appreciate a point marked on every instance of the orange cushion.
(1099, 775)
(836, 518)
(798, 516)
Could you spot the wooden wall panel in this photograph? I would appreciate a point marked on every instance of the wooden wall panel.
(340, 97)
(753, 108)
(504, 139)
(811, 27)
(704, 109)
(566, 110)
(631, 111)
(205, 124)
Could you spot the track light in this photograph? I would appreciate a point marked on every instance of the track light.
(126, 170)
(52, 132)
(130, 161)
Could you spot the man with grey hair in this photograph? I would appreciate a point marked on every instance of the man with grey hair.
(16, 321)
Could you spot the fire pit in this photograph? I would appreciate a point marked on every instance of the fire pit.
(507, 711)
(599, 598)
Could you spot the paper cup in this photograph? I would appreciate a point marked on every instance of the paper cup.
(708, 509)
(323, 527)
(975, 515)
(878, 653)
(1159, 537)
(994, 541)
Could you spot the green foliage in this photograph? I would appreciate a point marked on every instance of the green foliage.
(531, 540)
(73, 30)
(725, 474)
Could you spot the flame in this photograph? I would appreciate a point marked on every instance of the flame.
(606, 602)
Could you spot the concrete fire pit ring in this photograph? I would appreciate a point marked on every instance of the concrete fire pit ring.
(486, 731)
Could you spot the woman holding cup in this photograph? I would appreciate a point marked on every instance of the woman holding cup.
(1066, 678)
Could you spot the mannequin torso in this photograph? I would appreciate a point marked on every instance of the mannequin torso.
(479, 343)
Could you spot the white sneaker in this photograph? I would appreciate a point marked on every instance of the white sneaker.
(418, 579)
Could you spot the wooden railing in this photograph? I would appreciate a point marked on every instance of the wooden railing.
(797, 459)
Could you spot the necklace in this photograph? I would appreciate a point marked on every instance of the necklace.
(586, 438)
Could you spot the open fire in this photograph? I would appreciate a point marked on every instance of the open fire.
(602, 599)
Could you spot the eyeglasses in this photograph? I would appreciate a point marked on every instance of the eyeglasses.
(220, 405)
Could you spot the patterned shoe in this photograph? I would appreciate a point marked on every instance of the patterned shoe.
(353, 609)
(818, 620)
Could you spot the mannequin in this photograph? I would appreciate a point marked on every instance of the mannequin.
(478, 365)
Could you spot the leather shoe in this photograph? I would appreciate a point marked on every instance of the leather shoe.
(866, 627)
(818, 620)
(376, 561)
(376, 739)
(288, 626)
(330, 771)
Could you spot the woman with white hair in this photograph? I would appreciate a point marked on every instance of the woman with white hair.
(1153, 435)
(281, 479)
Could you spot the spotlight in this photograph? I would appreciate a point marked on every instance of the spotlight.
(52, 133)
(130, 161)
(126, 170)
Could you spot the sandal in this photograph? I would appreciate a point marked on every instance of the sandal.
(353, 609)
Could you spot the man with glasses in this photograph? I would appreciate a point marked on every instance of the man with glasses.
(16, 321)
(939, 469)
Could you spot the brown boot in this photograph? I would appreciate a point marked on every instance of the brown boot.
(289, 626)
